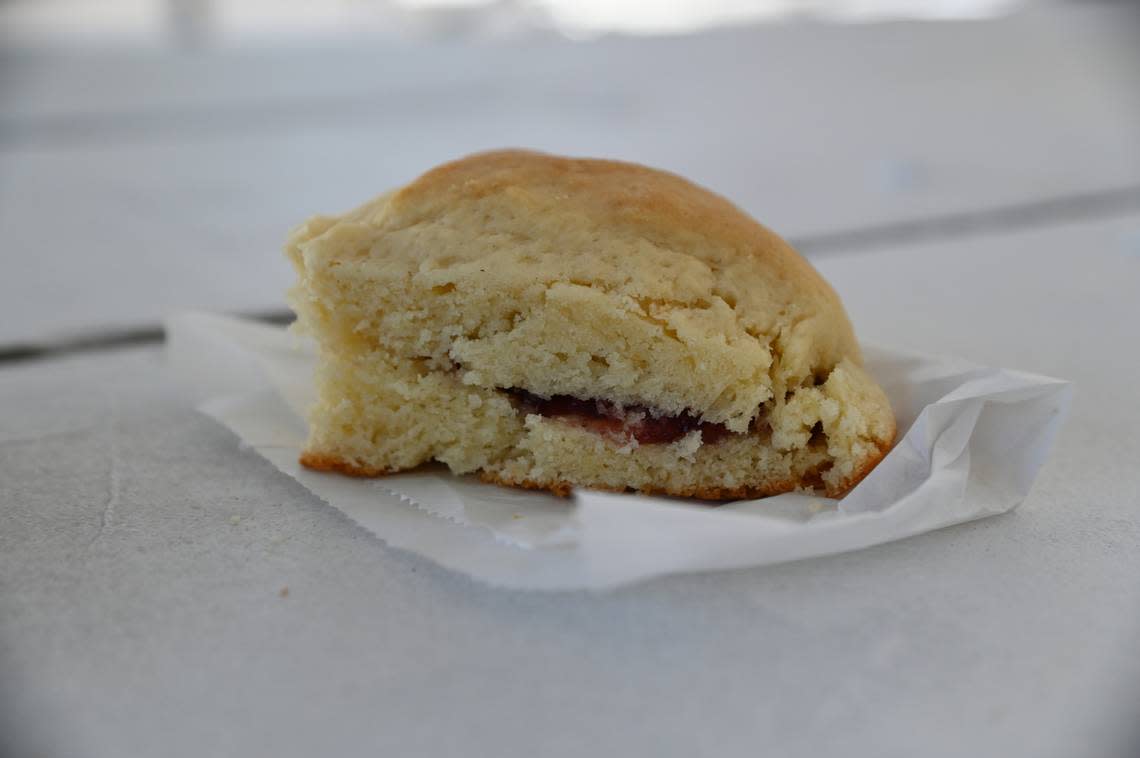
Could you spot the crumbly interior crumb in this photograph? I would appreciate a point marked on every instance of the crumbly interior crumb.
(381, 415)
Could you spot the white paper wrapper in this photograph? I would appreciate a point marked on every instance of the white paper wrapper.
(971, 442)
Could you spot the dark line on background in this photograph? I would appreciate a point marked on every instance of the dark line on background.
(113, 339)
(1035, 214)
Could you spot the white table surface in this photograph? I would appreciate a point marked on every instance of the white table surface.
(136, 618)
(135, 183)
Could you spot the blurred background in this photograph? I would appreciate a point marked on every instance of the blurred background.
(153, 153)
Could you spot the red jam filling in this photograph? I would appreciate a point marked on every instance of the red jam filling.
(631, 421)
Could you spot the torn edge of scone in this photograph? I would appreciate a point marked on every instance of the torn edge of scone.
(552, 323)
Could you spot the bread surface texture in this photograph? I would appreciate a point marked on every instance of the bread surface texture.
(434, 306)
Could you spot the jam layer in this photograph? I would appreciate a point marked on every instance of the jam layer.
(628, 422)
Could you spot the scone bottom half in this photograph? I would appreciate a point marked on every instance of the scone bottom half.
(553, 323)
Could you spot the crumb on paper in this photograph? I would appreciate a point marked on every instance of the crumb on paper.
(283, 592)
(235, 520)
(517, 516)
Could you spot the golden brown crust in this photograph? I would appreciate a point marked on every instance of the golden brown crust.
(659, 206)
(561, 489)
(725, 493)
(614, 193)
(320, 462)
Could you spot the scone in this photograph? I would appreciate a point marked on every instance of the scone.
(555, 322)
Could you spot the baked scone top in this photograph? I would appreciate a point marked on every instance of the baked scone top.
(581, 277)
